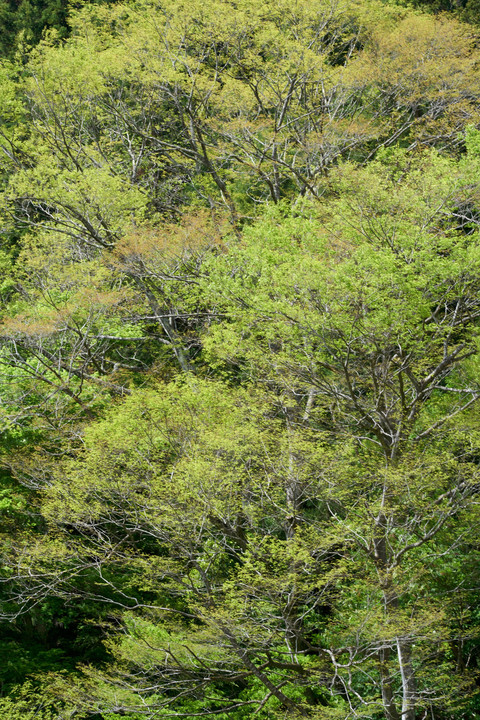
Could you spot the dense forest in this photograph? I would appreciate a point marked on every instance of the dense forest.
(240, 360)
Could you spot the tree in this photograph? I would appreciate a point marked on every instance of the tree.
(293, 547)
(257, 445)
(237, 103)
(226, 105)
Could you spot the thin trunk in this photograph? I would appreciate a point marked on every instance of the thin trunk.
(404, 655)
(390, 602)
(175, 342)
(407, 673)
(294, 496)
(391, 712)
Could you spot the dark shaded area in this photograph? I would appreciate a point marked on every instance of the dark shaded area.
(24, 21)
(466, 10)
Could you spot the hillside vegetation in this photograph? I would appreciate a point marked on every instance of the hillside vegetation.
(240, 360)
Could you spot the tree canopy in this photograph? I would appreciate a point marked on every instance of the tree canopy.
(239, 361)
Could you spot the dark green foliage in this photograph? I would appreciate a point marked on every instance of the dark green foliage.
(24, 22)
(466, 10)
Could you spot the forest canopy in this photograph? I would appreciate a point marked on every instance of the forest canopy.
(240, 360)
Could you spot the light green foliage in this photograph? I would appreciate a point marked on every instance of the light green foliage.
(254, 525)
(32, 702)
(369, 274)
(239, 363)
(234, 100)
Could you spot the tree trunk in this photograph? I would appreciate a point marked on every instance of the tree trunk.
(391, 712)
(408, 678)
